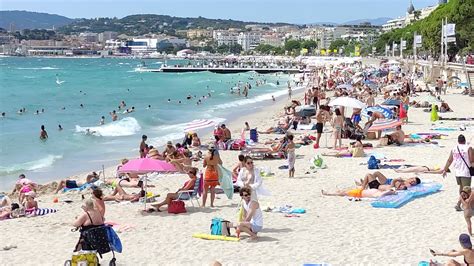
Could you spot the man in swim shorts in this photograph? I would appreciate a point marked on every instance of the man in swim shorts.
(321, 117)
(70, 184)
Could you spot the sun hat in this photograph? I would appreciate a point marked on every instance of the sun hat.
(31, 194)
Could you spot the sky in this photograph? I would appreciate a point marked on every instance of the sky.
(290, 11)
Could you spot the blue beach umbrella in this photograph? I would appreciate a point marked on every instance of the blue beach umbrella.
(393, 102)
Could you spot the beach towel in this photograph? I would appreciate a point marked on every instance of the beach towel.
(81, 188)
(225, 181)
(307, 127)
(44, 211)
(114, 240)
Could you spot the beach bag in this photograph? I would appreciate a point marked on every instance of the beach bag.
(318, 162)
(217, 227)
(83, 257)
(96, 239)
(373, 163)
(176, 206)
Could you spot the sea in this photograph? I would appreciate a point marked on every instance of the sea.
(76, 92)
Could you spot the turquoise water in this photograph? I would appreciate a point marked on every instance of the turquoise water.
(100, 85)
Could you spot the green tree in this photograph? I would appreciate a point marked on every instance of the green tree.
(309, 44)
(292, 45)
(337, 44)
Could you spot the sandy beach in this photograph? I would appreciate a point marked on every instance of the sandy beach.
(333, 230)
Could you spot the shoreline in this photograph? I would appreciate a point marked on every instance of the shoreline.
(233, 122)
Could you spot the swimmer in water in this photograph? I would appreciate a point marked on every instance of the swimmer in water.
(102, 120)
(63, 108)
(37, 112)
(169, 100)
(20, 112)
(42, 110)
(3, 114)
(60, 127)
(90, 132)
(81, 105)
(179, 101)
(149, 107)
(114, 115)
(43, 133)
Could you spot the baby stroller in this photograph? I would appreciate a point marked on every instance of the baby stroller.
(351, 131)
(97, 240)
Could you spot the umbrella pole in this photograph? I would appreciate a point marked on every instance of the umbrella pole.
(146, 192)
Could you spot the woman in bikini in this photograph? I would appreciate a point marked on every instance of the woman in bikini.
(211, 175)
(337, 124)
(420, 169)
(240, 165)
(467, 252)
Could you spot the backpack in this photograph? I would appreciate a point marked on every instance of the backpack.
(96, 239)
(216, 227)
(373, 163)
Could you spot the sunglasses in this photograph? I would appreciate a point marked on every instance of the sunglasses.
(245, 195)
(249, 163)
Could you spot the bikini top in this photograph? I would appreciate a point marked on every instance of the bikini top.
(92, 225)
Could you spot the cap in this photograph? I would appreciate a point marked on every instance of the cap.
(169, 143)
(465, 241)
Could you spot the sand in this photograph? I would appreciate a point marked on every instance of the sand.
(334, 230)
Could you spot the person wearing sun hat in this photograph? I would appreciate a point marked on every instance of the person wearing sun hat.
(30, 203)
(467, 252)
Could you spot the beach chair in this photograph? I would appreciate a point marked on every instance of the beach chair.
(191, 195)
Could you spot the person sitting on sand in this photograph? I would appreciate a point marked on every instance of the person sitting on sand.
(119, 194)
(188, 186)
(420, 169)
(180, 160)
(169, 149)
(467, 200)
(7, 212)
(379, 181)
(252, 213)
(91, 218)
(227, 135)
(238, 166)
(97, 196)
(467, 252)
(354, 150)
(196, 142)
(30, 204)
(70, 184)
(397, 137)
(23, 185)
(360, 193)
(281, 128)
(153, 153)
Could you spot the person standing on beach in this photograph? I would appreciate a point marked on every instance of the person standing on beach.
(321, 117)
(337, 125)
(143, 147)
(289, 92)
(43, 133)
(290, 151)
(211, 176)
(462, 156)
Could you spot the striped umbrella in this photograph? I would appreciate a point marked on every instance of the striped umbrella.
(198, 124)
(386, 112)
(381, 124)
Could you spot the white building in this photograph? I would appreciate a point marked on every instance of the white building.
(410, 17)
(273, 40)
(142, 46)
(89, 36)
(225, 37)
(113, 44)
(107, 35)
(249, 40)
(392, 24)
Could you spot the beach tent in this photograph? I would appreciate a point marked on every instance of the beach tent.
(385, 111)
(347, 102)
(144, 166)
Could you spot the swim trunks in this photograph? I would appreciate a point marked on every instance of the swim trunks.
(374, 184)
(71, 184)
(389, 181)
(319, 128)
(356, 118)
(211, 177)
(355, 193)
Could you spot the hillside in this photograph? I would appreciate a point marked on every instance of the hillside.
(375, 21)
(459, 12)
(150, 23)
(31, 20)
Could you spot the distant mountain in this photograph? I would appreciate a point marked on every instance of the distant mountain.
(31, 20)
(323, 23)
(375, 21)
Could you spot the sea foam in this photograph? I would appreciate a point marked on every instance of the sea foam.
(125, 127)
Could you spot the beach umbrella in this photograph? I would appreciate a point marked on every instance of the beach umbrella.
(385, 111)
(345, 87)
(347, 102)
(393, 102)
(454, 78)
(381, 124)
(198, 124)
(143, 166)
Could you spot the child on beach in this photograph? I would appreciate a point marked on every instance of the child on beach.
(30, 203)
(467, 201)
(337, 125)
(290, 150)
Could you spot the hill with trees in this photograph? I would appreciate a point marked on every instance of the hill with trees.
(149, 23)
(31, 20)
(460, 12)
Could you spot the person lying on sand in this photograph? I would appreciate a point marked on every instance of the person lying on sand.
(379, 181)
(280, 128)
(188, 186)
(181, 161)
(467, 200)
(420, 169)
(276, 147)
(466, 251)
(359, 193)
(397, 137)
(120, 195)
(70, 183)
(355, 150)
